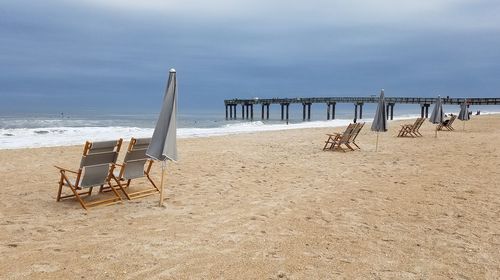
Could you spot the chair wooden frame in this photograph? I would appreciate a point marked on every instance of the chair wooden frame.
(416, 130)
(123, 183)
(411, 130)
(336, 140)
(75, 186)
(355, 133)
(447, 124)
(334, 137)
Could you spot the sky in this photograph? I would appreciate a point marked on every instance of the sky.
(114, 56)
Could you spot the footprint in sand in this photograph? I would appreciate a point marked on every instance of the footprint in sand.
(44, 267)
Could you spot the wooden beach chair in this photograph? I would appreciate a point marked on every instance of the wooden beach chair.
(333, 137)
(136, 165)
(409, 129)
(447, 124)
(355, 133)
(344, 139)
(96, 166)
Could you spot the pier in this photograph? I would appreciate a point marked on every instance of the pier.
(247, 105)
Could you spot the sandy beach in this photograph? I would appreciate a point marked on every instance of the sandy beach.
(270, 205)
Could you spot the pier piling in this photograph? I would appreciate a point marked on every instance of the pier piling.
(355, 112)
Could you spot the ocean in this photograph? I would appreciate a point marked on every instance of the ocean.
(30, 130)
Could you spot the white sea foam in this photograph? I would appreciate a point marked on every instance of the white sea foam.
(12, 138)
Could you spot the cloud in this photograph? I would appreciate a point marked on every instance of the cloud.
(62, 50)
(450, 14)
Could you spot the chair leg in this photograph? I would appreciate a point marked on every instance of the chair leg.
(152, 183)
(75, 192)
(326, 143)
(90, 191)
(60, 189)
(349, 146)
(116, 193)
(356, 145)
(120, 186)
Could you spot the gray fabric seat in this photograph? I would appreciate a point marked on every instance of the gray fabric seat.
(136, 165)
(95, 169)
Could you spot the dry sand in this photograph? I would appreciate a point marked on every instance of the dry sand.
(270, 205)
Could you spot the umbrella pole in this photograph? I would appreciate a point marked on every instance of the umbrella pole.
(163, 165)
(376, 145)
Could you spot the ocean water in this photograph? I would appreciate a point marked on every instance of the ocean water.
(46, 130)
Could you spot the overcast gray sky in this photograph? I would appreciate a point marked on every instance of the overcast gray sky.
(115, 56)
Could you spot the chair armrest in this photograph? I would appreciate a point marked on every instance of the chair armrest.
(66, 170)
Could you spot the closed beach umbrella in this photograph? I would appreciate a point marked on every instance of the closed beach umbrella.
(380, 120)
(464, 113)
(437, 115)
(163, 145)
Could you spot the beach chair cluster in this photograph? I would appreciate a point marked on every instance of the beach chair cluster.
(447, 124)
(411, 130)
(347, 138)
(98, 168)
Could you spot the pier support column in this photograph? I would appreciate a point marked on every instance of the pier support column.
(242, 111)
(247, 107)
(267, 117)
(303, 111)
(333, 110)
(235, 115)
(287, 105)
(282, 111)
(328, 111)
(231, 112)
(392, 110)
(308, 111)
(355, 112)
(422, 110)
(360, 110)
(427, 110)
(387, 109)
(251, 111)
(262, 112)
(227, 113)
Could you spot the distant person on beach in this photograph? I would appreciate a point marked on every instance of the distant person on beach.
(478, 113)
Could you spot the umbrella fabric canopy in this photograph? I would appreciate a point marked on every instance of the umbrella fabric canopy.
(380, 120)
(464, 113)
(437, 115)
(164, 142)
(163, 145)
(379, 123)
